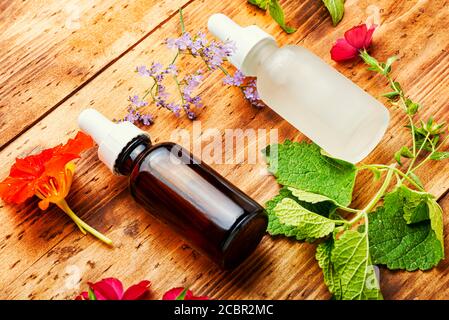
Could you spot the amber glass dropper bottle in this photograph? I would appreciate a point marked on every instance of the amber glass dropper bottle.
(204, 208)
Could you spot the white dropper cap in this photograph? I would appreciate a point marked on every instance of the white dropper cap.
(245, 39)
(111, 137)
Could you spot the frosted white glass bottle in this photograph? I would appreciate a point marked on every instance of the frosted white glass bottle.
(319, 101)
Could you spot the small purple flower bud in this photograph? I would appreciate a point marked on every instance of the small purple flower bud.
(172, 69)
(146, 119)
(143, 71)
(137, 102)
(236, 80)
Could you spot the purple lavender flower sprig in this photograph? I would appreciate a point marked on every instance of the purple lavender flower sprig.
(213, 53)
(247, 85)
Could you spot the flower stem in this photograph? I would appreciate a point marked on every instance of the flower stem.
(347, 209)
(428, 157)
(415, 156)
(81, 224)
(223, 70)
(181, 18)
(391, 168)
(376, 198)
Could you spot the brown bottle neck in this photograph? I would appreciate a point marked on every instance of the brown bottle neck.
(130, 154)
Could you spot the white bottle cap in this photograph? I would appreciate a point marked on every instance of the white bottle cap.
(111, 137)
(245, 39)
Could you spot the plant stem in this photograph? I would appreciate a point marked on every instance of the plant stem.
(412, 129)
(150, 91)
(181, 18)
(376, 198)
(224, 70)
(176, 57)
(81, 224)
(428, 157)
(347, 209)
(410, 167)
(179, 89)
(382, 166)
(402, 98)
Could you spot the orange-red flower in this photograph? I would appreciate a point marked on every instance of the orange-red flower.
(48, 175)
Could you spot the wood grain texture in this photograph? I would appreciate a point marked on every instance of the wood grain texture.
(49, 49)
(44, 256)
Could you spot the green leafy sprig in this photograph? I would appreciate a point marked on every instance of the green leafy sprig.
(276, 12)
(401, 227)
(425, 135)
(336, 10)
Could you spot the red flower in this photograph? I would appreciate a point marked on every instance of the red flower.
(28, 174)
(48, 175)
(355, 40)
(112, 289)
(182, 294)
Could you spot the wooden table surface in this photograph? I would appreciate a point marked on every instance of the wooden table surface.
(59, 57)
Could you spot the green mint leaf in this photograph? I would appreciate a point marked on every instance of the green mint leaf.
(376, 172)
(336, 9)
(412, 107)
(437, 155)
(372, 63)
(262, 4)
(352, 264)
(399, 245)
(91, 294)
(436, 220)
(277, 14)
(414, 204)
(309, 224)
(275, 227)
(391, 95)
(302, 166)
(311, 197)
(404, 152)
(397, 157)
(416, 179)
(323, 256)
(396, 86)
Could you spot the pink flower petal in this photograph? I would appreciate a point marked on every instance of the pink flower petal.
(356, 36)
(108, 289)
(369, 36)
(174, 293)
(137, 291)
(342, 51)
(190, 296)
(83, 296)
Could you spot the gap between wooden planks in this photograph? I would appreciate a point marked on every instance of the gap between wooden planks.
(45, 254)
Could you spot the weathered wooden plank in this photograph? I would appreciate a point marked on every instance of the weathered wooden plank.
(48, 49)
(41, 254)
